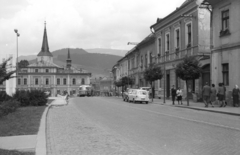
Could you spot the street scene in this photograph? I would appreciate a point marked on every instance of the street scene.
(101, 125)
(119, 77)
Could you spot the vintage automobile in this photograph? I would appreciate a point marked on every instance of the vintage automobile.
(139, 95)
(126, 93)
(85, 90)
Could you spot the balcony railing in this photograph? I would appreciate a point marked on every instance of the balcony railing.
(178, 54)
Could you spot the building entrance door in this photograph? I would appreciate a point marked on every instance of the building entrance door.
(206, 74)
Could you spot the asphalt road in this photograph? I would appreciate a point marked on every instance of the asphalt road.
(164, 130)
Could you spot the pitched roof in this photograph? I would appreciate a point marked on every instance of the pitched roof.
(45, 49)
(44, 64)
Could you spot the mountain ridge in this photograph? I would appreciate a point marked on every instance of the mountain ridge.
(99, 64)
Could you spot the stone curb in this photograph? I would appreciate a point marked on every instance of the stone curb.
(41, 136)
(209, 110)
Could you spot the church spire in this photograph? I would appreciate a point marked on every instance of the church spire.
(69, 61)
(68, 54)
(45, 48)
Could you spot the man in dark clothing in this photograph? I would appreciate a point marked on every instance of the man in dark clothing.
(206, 94)
(224, 96)
(173, 93)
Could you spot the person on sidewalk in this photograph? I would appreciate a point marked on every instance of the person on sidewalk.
(235, 95)
(213, 95)
(179, 95)
(173, 93)
(220, 95)
(67, 98)
(206, 94)
(224, 96)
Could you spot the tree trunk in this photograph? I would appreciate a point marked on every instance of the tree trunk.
(187, 94)
(151, 90)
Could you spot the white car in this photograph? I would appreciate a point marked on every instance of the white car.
(145, 88)
(139, 95)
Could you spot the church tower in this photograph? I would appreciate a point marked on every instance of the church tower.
(45, 54)
(69, 61)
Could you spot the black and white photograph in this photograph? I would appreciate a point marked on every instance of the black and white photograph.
(119, 77)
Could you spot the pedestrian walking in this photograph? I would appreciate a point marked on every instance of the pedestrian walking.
(206, 94)
(235, 95)
(173, 93)
(66, 98)
(220, 95)
(213, 95)
(179, 95)
(224, 96)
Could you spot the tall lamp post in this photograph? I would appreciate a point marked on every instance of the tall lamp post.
(17, 35)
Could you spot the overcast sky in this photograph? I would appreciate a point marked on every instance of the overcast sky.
(78, 23)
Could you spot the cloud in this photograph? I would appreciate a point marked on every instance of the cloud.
(79, 23)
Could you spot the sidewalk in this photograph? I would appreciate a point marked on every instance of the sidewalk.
(197, 106)
(201, 106)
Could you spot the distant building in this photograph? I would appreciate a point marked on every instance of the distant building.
(46, 75)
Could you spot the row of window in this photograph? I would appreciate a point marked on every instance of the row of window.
(188, 35)
(47, 81)
(37, 71)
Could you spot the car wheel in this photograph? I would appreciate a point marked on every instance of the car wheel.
(146, 102)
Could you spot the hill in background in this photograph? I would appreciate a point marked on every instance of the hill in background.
(96, 63)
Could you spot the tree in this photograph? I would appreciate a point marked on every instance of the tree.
(23, 63)
(151, 74)
(5, 74)
(126, 81)
(189, 69)
(118, 84)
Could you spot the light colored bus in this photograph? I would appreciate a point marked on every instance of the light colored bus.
(85, 90)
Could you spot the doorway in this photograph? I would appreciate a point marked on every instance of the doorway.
(206, 74)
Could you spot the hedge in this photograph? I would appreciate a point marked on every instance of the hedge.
(9, 106)
(31, 98)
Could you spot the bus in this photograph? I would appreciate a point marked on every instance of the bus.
(85, 90)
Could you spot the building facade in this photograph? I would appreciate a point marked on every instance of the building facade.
(46, 75)
(184, 32)
(226, 42)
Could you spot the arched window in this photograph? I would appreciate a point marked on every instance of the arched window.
(74, 81)
(64, 81)
(47, 81)
(83, 81)
(58, 81)
(19, 81)
(36, 81)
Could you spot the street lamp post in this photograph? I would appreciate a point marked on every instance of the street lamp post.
(17, 35)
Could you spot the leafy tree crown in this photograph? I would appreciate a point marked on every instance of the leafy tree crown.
(189, 69)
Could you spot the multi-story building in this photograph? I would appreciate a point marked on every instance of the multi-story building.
(226, 41)
(45, 74)
(134, 63)
(184, 32)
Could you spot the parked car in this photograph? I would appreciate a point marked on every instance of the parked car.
(126, 94)
(145, 88)
(139, 95)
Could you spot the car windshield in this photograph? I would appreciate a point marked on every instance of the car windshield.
(142, 93)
